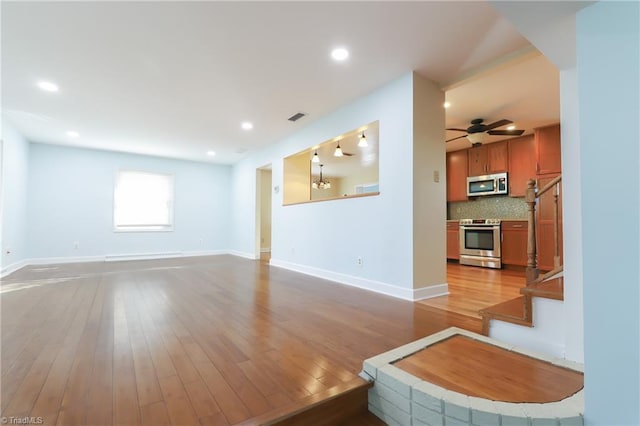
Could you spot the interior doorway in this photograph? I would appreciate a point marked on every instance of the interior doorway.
(263, 212)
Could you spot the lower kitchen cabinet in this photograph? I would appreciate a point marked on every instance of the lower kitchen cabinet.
(453, 240)
(514, 242)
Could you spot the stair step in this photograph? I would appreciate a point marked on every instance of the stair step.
(515, 311)
(550, 289)
(343, 404)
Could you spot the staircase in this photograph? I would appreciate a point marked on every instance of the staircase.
(548, 286)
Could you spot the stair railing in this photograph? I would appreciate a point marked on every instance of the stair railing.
(531, 198)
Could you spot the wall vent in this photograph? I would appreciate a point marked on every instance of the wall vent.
(296, 116)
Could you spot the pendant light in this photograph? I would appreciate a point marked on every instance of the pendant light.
(362, 143)
(338, 151)
(321, 183)
(315, 158)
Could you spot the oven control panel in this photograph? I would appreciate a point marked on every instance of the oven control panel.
(480, 221)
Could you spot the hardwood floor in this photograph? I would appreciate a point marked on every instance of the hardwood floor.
(472, 289)
(210, 340)
(478, 369)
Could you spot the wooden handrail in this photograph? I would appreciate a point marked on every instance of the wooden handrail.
(550, 185)
(531, 198)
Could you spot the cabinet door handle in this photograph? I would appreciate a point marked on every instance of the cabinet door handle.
(517, 226)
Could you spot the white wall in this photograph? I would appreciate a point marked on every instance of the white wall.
(325, 238)
(71, 200)
(429, 196)
(572, 217)
(15, 176)
(265, 209)
(608, 70)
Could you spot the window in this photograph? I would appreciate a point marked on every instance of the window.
(143, 201)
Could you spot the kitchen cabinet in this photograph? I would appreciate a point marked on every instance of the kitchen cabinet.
(453, 240)
(514, 242)
(457, 175)
(545, 214)
(548, 149)
(522, 164)
(489, 158)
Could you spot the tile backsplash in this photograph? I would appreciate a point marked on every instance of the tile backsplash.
(498, 207)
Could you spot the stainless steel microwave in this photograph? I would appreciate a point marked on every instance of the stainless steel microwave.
(487, 185)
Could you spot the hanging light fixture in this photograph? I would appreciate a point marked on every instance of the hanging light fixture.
(315, 158)
(321, 183)
(338, 151)
(362, 143)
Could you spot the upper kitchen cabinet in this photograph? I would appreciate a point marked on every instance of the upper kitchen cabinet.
(522, 164)
(457, 175)
(489, 158)
(548, 149)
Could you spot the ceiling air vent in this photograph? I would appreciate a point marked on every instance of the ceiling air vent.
(297, 116)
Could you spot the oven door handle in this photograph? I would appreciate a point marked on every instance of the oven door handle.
(479, 228)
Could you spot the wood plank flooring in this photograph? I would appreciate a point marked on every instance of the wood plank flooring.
(478, 369)
(193, 341)
(472, 289)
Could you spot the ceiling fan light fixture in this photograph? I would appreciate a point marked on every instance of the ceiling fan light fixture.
(362, 143)
(475, 137)
(338, 152)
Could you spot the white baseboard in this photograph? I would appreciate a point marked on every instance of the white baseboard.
(244, 254)
(141, 256)
(436, 290)
(70, 259)
(364, 283)
(107, 258)
(10, 269)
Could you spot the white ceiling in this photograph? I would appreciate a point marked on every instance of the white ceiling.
(176, 79)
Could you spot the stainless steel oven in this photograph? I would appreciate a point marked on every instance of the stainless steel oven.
(480, 241)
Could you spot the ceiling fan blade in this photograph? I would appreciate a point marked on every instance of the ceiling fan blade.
(459, 137)
(458, 130)
(506, 132)
(498, 124)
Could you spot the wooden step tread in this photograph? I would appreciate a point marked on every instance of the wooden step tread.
(511, 309)
(515, 311)
(550, 289)
(333, 406)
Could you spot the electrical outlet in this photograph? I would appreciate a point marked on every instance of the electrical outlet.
(201, 241)
(76, 245)
(436, 176)
(359, 261)
(293, 250)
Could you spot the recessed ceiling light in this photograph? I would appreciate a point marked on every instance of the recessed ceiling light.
(340, 54)
(512, 127)
(247, 125)
(211, 153)
(48, 86)
(446, 104)
(73, 134)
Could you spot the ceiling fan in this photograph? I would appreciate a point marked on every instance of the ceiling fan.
(477, 130)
